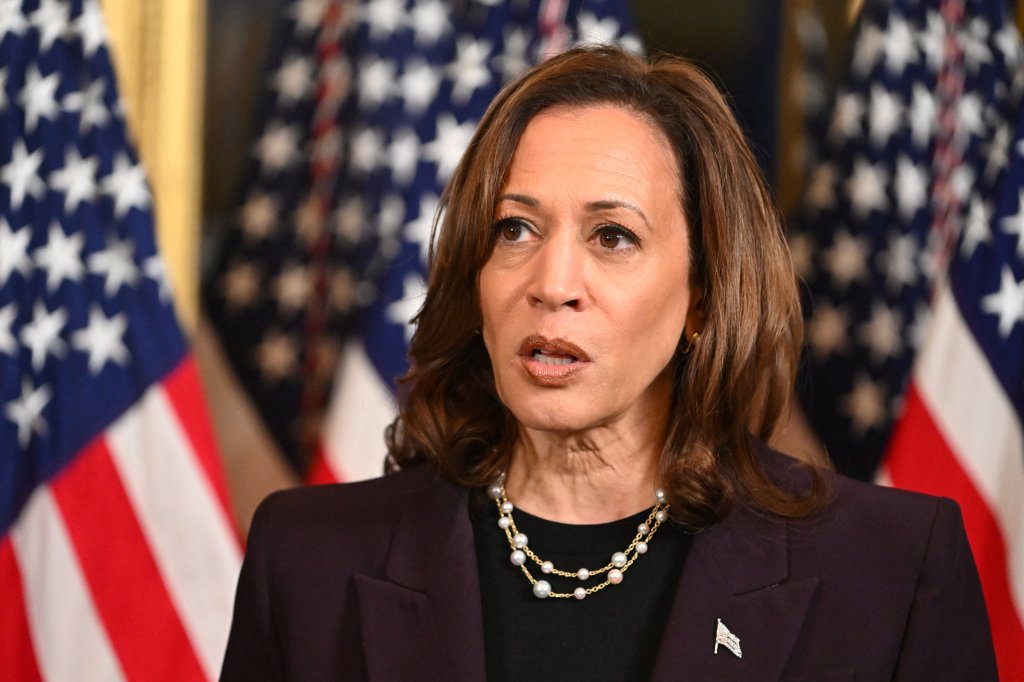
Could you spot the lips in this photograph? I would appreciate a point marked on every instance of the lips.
(551, 362)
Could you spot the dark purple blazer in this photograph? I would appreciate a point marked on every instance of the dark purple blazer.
(378, 581)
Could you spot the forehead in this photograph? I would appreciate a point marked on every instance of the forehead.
(602, 137)
(602, 128)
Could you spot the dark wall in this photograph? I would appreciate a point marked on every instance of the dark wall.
(239, 38)
(736, 42)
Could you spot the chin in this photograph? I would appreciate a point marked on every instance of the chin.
(553, 417)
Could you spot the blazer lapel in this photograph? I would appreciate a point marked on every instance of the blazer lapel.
(425, 618)
(736, 574)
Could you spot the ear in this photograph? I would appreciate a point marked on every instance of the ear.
(695, 316)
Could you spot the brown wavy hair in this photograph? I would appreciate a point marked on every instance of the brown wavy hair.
(738, 379)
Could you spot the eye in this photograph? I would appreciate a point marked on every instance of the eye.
(513, 230)
(616, 237)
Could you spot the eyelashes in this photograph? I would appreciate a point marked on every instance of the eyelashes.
(611, 237)
(511, 229)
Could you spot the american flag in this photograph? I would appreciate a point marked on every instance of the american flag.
(418, 75)
(871, 242)
(117, 554)
(917, 287)
(282, 293)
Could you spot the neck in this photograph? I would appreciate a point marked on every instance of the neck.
(593, 478)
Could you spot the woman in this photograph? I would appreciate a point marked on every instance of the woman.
(611, 314)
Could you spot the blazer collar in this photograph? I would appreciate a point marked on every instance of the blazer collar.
(425, 619)
(736, 574)
(427, 614)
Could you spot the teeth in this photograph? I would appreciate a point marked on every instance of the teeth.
(546, 360)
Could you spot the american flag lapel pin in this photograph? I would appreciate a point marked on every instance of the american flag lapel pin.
(725, 638)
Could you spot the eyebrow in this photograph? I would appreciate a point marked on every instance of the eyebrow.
(520, 199)
(614, 203)
(603, 205)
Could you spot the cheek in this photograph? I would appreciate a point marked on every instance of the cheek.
(664, 327)
(490, 305)
(659, 308)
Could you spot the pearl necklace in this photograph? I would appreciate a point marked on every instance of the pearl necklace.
(615, 569)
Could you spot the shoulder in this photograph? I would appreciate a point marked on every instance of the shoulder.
(375, 497)
(845, 494)
(298, 596)
(898, 560)
(311, 520)
(870, 521)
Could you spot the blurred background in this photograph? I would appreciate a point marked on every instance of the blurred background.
(880, 127)
(153, 392)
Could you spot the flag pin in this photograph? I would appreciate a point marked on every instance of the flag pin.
(725, 638)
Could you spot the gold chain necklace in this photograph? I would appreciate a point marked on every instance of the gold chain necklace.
(615, 568)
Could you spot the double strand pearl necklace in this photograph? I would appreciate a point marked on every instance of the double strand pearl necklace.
(615, 569)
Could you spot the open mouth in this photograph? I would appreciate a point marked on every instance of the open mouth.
(552, 362)
(553, 359)
(544, 352)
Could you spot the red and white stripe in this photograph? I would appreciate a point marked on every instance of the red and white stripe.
(361, 408)
(552, 28)
(124, 565)
(960, 437)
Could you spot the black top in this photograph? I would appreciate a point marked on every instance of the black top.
(612, 634)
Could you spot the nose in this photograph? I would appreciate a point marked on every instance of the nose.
(558, 277)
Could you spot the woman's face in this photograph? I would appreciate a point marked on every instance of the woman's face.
(587, 291)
